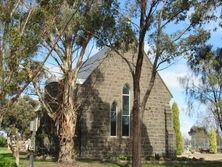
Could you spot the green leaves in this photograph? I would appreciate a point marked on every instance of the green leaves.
(19, 43)
(206, 65)
(213, 141)
(176, 10)
(19, 115)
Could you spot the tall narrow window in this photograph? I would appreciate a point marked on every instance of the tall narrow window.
(126, 111)
(113, 119)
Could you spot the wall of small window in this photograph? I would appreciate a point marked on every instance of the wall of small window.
(125, 118)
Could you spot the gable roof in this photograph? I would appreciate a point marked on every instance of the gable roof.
(93, 62)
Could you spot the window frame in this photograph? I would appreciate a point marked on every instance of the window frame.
(113, 103)
(123, 115)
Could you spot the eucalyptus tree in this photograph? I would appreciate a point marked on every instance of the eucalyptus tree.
(207, 87)
(86, 19)
(19, 115)
(19, 39)
(171, 29)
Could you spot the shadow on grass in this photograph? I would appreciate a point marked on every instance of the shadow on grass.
(104, 163)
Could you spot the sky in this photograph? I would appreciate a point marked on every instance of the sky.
(171, 77)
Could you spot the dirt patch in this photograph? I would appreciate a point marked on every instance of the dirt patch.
(204, 156)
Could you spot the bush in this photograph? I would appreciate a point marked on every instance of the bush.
(122, 157)
(176, 127)
(213, 142)
(3, 141)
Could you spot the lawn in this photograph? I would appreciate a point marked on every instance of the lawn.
(100, 164)
(4, 150)
(6, 159)
(5, 155)
(204, 164)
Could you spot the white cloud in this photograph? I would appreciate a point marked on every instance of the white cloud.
(172, 76)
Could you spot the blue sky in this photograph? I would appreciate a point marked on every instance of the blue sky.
(171, 77)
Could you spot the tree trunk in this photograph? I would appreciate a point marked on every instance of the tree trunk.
(68, 115)
(16, 152)
(17, 157)
(136, 150)
(66, 153)
(66, 136)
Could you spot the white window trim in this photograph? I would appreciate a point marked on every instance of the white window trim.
(110, 115)
(125, 115)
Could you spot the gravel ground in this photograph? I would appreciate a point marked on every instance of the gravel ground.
(205, 156)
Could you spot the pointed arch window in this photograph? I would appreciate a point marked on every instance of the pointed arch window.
(113, 121)
(126, 111)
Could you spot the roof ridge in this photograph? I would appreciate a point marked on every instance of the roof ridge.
(91, 64)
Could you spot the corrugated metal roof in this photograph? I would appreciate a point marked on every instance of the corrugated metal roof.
(91, 64)
(87, 67)
(53, 78)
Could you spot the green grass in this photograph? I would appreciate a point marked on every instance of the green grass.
(204, 164)
(4, 150)
(6, 159)
(5, 155)
(25, 163)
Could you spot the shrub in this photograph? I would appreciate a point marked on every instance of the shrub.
(176, 127)
(3, 141)
(122, 157)
(213, 142)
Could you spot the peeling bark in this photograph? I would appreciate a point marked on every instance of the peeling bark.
(66, 136)
(66, 118)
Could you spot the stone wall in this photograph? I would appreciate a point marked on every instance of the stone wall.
(100, 90)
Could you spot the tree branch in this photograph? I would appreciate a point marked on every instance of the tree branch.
(26, 22)
(41, 99)
(40, 67)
